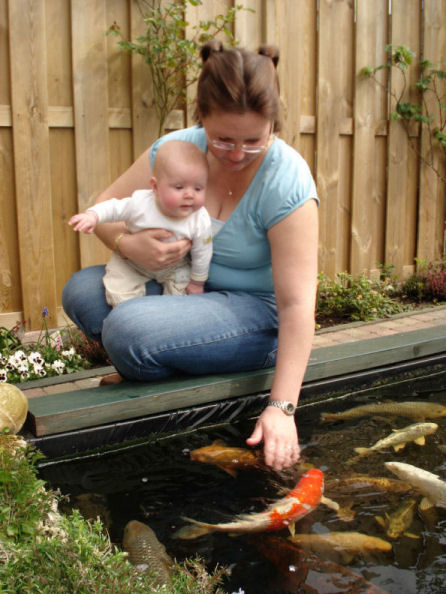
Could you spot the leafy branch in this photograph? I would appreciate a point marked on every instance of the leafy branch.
(431, 115)
(170, 47)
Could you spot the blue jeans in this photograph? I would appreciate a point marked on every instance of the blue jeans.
(159, 336)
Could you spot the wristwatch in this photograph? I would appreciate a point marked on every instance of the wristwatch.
(287, 407)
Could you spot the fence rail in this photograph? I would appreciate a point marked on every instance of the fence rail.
(75, 112)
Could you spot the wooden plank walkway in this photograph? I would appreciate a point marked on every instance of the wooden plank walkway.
(69, 411)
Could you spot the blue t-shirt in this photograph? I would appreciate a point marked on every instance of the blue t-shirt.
(241, 258)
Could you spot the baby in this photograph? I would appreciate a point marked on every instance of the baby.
(175, 203)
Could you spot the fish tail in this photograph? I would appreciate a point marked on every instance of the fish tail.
(362, 451)
(326, 417)
(191, 532)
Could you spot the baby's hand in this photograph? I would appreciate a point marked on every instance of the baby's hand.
(84, 221)
(194, 288)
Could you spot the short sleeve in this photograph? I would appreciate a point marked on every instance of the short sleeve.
(290, 185)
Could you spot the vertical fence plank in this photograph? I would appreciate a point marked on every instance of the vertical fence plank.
(368, 207)
(88, 25)
(62, 157)
(10, 289)
(144, 120)
(335, 23)
(431, 214)
(287, 35)
(32, 158)
(249, 26)
(307, 81)
(402, 161)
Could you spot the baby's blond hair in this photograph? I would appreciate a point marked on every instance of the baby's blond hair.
(174, 151)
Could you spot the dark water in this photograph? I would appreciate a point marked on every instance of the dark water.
(157, 483)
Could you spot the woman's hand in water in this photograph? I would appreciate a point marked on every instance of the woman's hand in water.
(279, 434)
(149, 248)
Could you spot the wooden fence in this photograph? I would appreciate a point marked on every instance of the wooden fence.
(75, 112)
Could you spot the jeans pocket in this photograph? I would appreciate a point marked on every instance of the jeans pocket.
(270, 360)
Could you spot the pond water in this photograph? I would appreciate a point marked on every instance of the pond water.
(157, 483)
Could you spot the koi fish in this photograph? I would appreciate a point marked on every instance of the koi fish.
(296, 504)
(418, 411)
(307, 572)
(428, 484)
(397, 523)
(400, 437)
(347, 545)
(364, 482)
(227, 458)
(146, 552)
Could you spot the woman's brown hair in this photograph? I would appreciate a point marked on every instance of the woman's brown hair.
(236, 80)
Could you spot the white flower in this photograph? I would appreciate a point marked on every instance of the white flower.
(58, 366)
(3, 360)
(3, 375)
(35, 357)
(24, 374)
(39, 370)
(23, 367)
(69, 353)
(19, 356)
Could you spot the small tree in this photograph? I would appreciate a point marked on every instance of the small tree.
(431, 115)
(170, 47)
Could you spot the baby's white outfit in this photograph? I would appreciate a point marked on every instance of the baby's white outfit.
(125, 279)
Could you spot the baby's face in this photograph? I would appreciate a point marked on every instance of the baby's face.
(182, 192)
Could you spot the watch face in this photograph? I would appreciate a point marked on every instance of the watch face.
(290, 408)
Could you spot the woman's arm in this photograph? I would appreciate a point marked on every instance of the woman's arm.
(294, 245)
(145, 248)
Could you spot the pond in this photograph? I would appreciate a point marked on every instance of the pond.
(157, 483)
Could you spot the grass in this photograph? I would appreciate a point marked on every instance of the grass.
(44, 551)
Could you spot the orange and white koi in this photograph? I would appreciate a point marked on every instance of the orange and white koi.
(296, 504)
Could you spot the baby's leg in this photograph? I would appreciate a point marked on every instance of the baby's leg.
(122, 281)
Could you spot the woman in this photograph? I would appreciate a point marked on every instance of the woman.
(263, 203)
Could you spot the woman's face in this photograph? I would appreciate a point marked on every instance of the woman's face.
(249, 131)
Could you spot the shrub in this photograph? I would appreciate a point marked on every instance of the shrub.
(357, 298)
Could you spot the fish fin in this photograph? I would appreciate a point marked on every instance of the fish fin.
(346, 556)
(230, 471)
(362, 451)
(326, 417)
(420, 440)
(426, 504)
(398, 447)
(330, 503)
(292, 528)
(190, 532)
(346, 513)
(410, 535)
(381, 521)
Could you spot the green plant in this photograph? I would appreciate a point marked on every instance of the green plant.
(170, 47)
(356, 298)
(431, 115)
(48, 356)
(428, 283)
(43, 551)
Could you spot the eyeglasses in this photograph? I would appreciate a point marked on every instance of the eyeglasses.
(251, 149)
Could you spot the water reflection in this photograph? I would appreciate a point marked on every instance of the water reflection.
(158, 482)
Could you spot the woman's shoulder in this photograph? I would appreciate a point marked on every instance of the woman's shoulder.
(195, 134)
(287, 158)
